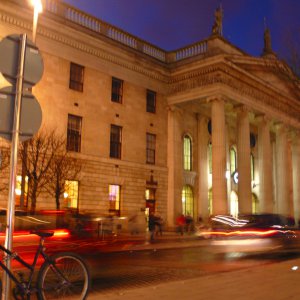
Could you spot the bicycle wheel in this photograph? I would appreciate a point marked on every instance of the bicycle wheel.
(66, 278)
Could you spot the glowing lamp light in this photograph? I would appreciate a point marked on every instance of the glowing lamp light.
(66, 195)
(37, 4)
(37, 8)
(18, 192)
(227, 174)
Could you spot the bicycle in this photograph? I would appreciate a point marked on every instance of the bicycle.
(62, 276)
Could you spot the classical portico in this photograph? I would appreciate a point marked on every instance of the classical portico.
(239, 106)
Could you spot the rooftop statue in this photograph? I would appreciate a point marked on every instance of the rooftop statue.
(267, 41)
(217, 27)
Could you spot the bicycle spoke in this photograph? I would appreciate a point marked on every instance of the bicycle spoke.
(67, 279)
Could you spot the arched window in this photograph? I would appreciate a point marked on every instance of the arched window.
(187, 201)
(210, 204)
(233, 163)
(255, 204)
(187, 153)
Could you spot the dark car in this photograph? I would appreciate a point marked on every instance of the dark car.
(252, 233)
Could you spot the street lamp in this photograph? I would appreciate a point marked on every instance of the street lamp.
(37, 8)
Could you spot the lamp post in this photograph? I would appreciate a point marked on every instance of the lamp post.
(37, 8)
(15, 139)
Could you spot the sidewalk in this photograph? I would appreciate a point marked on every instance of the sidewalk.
(278, 281)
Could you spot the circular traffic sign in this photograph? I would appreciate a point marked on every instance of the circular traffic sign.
(30, 117)
(9, 61)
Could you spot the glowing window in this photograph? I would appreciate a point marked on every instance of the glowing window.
(114, 197)
(71, 193)
(18, 191)
(255, 204)
(210, 204)
(252, 166)
(187, 201)
(232, 160)
(187, 153)
(150, 194)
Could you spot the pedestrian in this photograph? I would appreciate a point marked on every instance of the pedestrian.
(189, 223)
(180, 222)
(151, 226)
(159, 224)
(133, 224)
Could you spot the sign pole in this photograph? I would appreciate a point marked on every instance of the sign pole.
(13, 165)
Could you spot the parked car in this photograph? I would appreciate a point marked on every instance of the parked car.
(253, 233)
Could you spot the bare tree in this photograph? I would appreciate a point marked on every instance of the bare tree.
(4, 163)
(48, 165)
(36, 161)
(64, 167)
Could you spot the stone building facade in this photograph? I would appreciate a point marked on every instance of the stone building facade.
(206, 129)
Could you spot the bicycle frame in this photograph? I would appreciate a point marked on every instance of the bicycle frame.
(26, 289)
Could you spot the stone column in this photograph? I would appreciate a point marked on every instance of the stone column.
(282, 188)
(244, 161)
(174, 161)
(219, 185)
(290, 177)
(296, 177)
(265, 183)
(202, 168)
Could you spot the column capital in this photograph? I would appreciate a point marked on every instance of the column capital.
(263, 119)
(215, 98)
(173, 109)
(241, 108)
(202, 117)
(280, 127)
(293, 134)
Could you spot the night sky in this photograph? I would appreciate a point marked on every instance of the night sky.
(172, 24)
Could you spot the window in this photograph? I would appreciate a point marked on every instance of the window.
(116, 90)
(18, 191)
(74, 133)
(187, 153)
(115, 141)
(71, 194)
(114, 198)
(151, 101)
(187, 201)
(255, 204)
(233, 163)
(76, 77)
(252, 166)
(150, 194)
(150, 148)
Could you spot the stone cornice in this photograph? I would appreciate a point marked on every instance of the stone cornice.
(83, 47)
(223, 73)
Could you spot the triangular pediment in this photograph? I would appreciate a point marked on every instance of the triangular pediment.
(271, 71)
